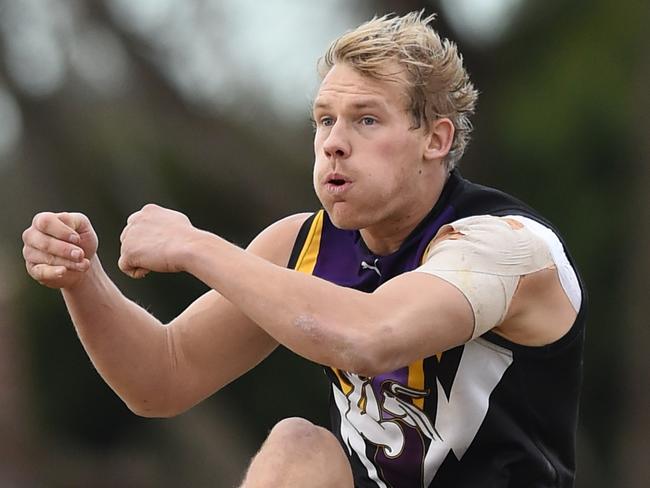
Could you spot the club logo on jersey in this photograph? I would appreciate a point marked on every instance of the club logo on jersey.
(395, 440)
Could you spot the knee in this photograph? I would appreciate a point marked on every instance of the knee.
(299, 453)
(299, 437)
(299, 434)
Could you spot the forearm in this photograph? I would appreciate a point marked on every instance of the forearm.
(130, 349)
(323, 322)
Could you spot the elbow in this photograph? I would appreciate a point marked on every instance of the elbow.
(172, 404)
(151, 411)
(372, 364)
(376, 343)
(156, 406)
(369, 354)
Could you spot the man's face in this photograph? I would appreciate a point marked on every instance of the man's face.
(367, 156)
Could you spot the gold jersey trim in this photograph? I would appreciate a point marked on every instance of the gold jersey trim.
(309, 253)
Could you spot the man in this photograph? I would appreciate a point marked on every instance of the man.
(447, 315)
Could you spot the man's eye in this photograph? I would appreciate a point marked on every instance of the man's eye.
(326, 121)
(368, 121)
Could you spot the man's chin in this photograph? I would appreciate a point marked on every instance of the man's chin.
(344, 220)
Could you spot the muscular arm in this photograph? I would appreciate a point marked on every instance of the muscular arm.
(410, 317)
(162, 370)
(367, 333)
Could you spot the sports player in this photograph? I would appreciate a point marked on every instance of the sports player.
(447, 315)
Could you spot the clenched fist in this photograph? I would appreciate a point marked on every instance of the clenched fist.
(58, 248)
(155, 239)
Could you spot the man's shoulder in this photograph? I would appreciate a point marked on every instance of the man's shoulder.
(469, 198)
(276, 241)
(290, 223)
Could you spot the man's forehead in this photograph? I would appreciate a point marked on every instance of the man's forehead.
(345, 85)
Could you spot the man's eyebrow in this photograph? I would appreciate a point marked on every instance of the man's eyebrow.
(320, 104)
(369, 103)
(362, 103)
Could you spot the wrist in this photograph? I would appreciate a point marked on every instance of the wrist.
(193, 249)
(78, 279)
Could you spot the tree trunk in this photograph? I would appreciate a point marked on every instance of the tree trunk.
(17, 456)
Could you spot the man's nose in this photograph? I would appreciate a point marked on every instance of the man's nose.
(337, 142)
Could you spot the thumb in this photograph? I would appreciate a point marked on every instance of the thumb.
(88, 240)
(75, 220)
(130, 270)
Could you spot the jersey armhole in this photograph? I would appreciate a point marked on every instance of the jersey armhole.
(300, 241)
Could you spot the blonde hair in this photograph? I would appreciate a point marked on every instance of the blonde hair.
(437, 83)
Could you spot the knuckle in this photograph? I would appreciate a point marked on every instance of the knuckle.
(79, 217)
(45, 244)
(33, 239)
(55, 249)
(41, 219)
(37, 275)
(36, 272)
(76, 220)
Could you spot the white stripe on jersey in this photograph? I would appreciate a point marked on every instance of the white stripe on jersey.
(567, 274)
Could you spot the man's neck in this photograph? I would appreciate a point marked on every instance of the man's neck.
(387, 237)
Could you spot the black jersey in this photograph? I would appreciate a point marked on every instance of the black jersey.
(489, 413)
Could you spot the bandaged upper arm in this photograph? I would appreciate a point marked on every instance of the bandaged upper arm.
(484, 257)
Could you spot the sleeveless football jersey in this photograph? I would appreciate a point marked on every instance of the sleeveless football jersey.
(489, 413)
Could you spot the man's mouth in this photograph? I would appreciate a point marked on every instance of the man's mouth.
(336, 183)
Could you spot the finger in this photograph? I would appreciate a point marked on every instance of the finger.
(124, 265)
(75, 220)
(132, 271)
(139, 273)
(133, 217)
(150, 206)
(44, 273)
(36, 256)
(123, 234)
(52, 246)
(52, 225)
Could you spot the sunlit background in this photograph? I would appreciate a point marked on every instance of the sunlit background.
(203, 105)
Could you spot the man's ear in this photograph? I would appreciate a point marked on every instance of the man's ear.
(440, 138)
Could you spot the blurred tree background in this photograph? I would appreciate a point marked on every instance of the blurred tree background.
(202, 105)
